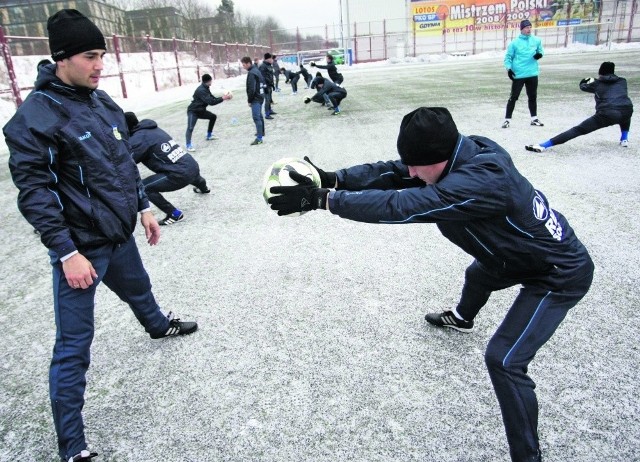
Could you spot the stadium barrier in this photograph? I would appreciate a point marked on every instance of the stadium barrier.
(131, 61)
(408, 37)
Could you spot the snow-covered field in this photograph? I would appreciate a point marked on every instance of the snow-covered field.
(312, 343)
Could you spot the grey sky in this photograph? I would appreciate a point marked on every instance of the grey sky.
(316, 13)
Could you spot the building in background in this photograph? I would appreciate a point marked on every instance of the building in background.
(28, 18)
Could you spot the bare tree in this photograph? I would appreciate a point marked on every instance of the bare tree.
(235, 27)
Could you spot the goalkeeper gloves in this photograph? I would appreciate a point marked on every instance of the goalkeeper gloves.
(537, 56)
(303, 197)
(327, 179)
(511, 74)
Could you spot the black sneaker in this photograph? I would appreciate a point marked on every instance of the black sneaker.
(177, 327)
(171, 219)
(83, 456)
(204, 190)
(448, 319)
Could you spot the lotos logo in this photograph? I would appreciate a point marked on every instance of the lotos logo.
(86, 136)
(540, 210)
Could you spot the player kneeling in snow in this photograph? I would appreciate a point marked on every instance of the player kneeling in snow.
(469, 187)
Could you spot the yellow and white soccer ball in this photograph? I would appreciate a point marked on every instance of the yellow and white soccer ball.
(278, 175)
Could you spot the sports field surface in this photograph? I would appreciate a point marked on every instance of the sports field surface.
(312, 343)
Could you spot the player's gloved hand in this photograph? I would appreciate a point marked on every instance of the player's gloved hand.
(511, 74)
(537, 56)
(588, 80)
(327, 179)
(307, 100)
(301, 198)
(312, 64)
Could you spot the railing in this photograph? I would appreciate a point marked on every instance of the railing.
(165, 63)
(402, 37)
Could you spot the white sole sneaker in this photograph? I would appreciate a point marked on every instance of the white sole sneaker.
(624, 143)
(535, 148)
(505, 124)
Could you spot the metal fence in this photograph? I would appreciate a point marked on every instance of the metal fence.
(175, 62)
(401, 37)
(131, 61)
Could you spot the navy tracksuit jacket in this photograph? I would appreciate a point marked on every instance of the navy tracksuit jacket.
(80, 188)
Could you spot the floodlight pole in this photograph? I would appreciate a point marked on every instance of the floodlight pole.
(341, 26)
(346, 51)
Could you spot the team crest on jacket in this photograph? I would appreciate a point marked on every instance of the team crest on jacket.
(116, 133)
(165, 147)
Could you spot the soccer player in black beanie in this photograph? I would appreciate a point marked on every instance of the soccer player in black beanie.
(80, 189)
(469, 187)
(613, 107)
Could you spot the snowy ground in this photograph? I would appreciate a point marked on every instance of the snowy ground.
(312, 344)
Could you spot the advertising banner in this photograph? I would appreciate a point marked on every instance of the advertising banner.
(445, 16)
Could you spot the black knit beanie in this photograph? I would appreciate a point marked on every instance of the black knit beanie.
(70, 33)
(427, 136)
(607, 68)
(524, 23)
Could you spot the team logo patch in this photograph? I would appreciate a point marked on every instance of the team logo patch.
(540, 210)
(165, 147)
(116, 133)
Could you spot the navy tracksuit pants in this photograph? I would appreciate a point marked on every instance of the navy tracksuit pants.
(532, 319)
(163, 182)
(601, 119)
(192, 119)
(119, 266)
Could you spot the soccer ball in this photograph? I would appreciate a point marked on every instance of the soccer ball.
(278, 175)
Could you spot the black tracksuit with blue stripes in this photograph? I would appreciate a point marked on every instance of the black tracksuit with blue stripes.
(486, 207)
